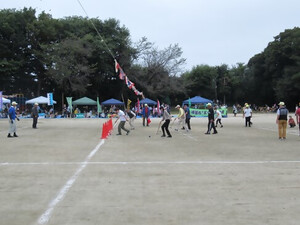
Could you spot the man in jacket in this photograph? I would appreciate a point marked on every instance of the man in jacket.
(211, 119)
(12, 120)
(35, 115)
(167, 118)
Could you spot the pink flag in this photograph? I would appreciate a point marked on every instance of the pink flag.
(158, 107)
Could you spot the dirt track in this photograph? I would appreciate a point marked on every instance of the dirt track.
(62, 173)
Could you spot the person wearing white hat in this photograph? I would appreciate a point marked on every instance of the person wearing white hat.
(181, 119)
(247, 115)
(35, 115)
(12, 120)
(281, 120)
(211, 119)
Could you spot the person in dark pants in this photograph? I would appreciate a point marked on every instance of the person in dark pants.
(35, 115)
(167, 118)
(187, 117)
(211, 119)
(247, 115)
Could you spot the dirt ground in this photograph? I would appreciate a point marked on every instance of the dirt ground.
(62, 173)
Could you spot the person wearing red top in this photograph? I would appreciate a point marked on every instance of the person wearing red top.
(297, 113)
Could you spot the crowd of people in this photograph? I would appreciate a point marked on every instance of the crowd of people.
(163, 112)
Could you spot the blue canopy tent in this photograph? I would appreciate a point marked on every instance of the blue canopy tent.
(112, 101)
(148, 101)
(197, 100)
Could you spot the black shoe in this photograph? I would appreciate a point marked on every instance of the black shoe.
(9, 136)
(215, 132)
(119, 134)
(206, 133)
(15, 135)
(128, 132)
(163, 135)
(221, 126)
(169, 136)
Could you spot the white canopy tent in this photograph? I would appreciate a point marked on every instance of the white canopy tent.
(39, 100)
(5, 100)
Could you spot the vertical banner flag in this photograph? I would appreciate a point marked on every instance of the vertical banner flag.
(190, 104)
(128, 104)
(1, 101)
(99, 109)
(50, 98)
(158, 107)
(138, 106)
(69, 100)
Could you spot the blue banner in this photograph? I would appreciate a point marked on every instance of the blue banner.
(50, 98)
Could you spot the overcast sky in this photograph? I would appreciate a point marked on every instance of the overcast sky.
(208, 31)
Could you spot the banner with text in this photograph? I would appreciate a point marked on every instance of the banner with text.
(204, 112)
(50, 98)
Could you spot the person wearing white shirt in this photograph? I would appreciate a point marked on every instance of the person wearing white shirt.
(123, 119)
(247, 115)
(219, 117)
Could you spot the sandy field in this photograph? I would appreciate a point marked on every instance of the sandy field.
(63, 174)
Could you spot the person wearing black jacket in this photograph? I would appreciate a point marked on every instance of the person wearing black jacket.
(211, 119)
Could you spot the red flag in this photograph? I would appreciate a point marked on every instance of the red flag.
(122, 75)
(128, 83)
(117, 66)
(138, 106)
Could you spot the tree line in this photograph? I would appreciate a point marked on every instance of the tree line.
(40, 54)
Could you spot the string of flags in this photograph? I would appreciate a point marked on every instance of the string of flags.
(123, 76)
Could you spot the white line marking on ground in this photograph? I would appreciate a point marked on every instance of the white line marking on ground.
(149, 163)
(293, 132)
(44, 218)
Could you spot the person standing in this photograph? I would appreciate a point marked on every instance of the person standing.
(35, 115)
(297, 113)
(167, 118)
(187, 116)
(12, 120)
(211, 119)
(234, 110)
(131, 116)
(123, 119)
(281, 120)
(247, 115)
(219, 117)
(146, 114)
(181, 118)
